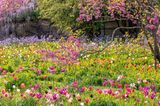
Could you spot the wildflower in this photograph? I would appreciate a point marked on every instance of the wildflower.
(81, 104)
(14, 86)
(120, 77)
(128, 90)
(63, 91)
(70, 100)
(63, 70)
(22, 86)
(99, 91)
(127, 85)
(124, 96)
(78, 97)
(12, 74)
(153, 95)
(153, 87)
(90, 88)
(56, 89)
(145, 58)
(38, 95)
(138, 100)
(158, 103)
(39, 72)
(3, 91)
(49, 97)
(75, 84)
(4, 72)
(55, 96)
(106, 91)
(31, 94)
(83, 89)
(105, 83)
(45, 77)
(18, 90)
(52, 69)
(15, 78)
(28, 91)
(23, 96)
(87, 100)
(145, 81)
(150, 26)
(145, 91)
(146, 102)
(119, 85)
(68, 95)
(139, 81)
(133, 85)
(1, 68)
(6, 94)
(36, 86)
(111, 82)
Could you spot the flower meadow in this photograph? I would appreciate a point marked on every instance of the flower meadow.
(59, 74)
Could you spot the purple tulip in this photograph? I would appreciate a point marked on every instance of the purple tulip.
(39, 95)
(55, 96)
(63, 70)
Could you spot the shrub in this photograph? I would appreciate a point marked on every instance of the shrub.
(62, 13)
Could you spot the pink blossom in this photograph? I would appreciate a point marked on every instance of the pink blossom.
(153, 95)
(105, 83)
(158, 103)
(119, 85)
(107, 91)
(1, 68)
(150, 26)
(52, 69)
(38, 95)
(75, 84)
(55, 96)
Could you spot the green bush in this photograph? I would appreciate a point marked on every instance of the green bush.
(62, 13)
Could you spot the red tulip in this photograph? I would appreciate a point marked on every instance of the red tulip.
(3, 91)
(100, 91)
(119, 85)
(87, 100)
(90, 88)
(75, 83)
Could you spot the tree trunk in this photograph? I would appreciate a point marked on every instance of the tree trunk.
(156, 50)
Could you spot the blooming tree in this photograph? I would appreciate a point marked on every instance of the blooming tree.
(10, 6)
(142, 12)
(90, 9)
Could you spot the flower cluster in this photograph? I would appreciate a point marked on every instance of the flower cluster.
(120, 74)
(67, 53)
(152, 22)
(90, 9)
(8, 6)
(117, 7)
(114, 88)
